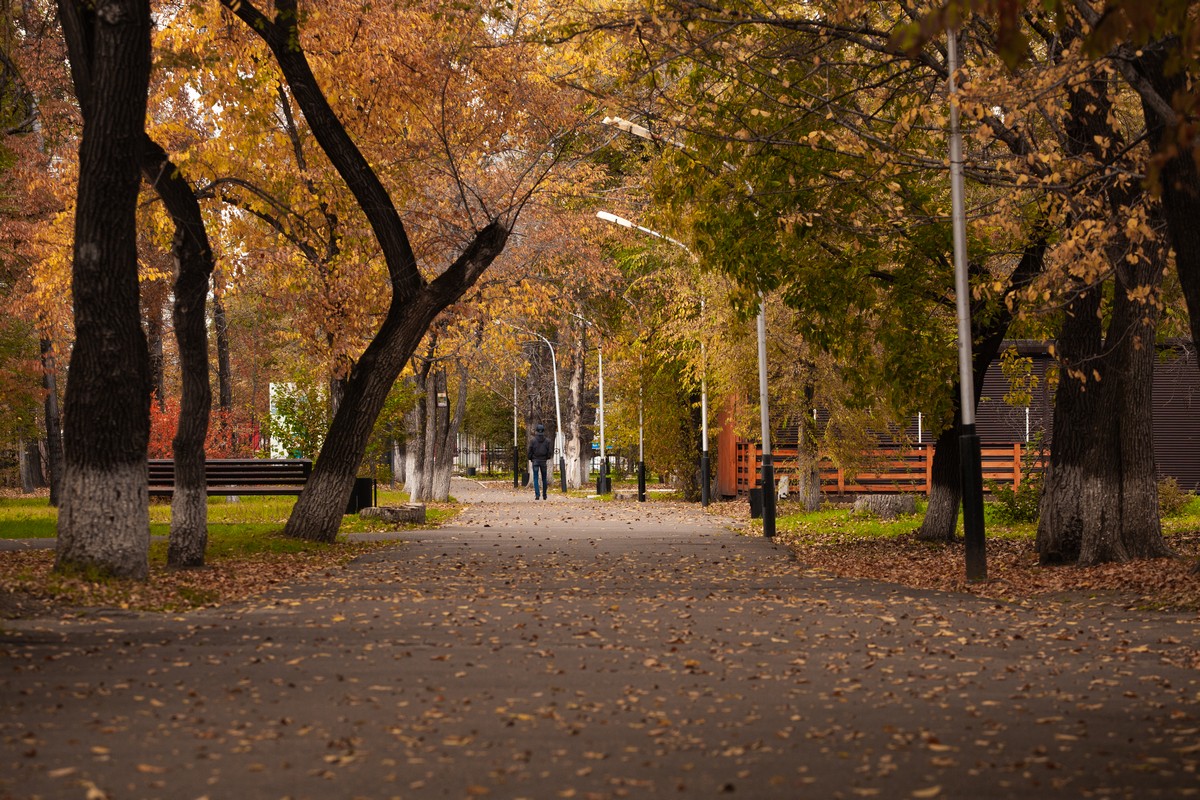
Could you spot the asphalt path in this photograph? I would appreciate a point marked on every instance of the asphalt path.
(572, 648)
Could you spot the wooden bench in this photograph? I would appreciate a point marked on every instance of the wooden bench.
(237, 476)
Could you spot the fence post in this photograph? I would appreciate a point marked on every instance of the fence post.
(928, 468)
(1017, 447)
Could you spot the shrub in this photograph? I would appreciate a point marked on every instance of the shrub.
(1021, 504)
(1171, 498)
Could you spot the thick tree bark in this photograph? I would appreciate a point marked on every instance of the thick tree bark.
(1100, 499)
(54, 444)
(103, 521)
(193, 267)
(1061, 517)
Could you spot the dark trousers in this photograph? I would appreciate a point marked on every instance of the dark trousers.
(539, 468)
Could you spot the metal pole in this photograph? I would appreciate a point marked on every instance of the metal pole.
(558, 436)
(768, 469)
(641, 440)
(603, 447)
(704, 467)
(516, 447)
(971, 459)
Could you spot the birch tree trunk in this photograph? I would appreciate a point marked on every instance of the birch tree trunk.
(576, 466)
(444, 466)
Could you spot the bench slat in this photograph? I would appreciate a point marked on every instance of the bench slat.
(234, 476)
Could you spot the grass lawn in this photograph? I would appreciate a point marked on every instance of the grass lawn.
(839, 542)
(246, 554)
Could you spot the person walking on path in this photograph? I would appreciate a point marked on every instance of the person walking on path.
(540, 451)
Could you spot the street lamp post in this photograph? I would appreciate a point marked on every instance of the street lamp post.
(704, 464)
(641, 467)
(970, 456)
(704, 467)
(558, 437)
(516, 446)
(602, 481)
(768, 467)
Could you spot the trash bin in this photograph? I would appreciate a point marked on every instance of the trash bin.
(362, 495)
(756, 503)
(470, 472)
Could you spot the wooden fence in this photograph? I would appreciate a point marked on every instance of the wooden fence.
(887, 470)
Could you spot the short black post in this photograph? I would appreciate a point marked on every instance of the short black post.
(562, 473)
(704, 480)
(641, 481)
(516, 469)
(971, 466)
(768, 498)
(603, 485)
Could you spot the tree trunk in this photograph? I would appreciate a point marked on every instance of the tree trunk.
(414, 449)
(576, 465)
(54, 445)
(1100, 499)
(945, 486)
(103, 522)
(153, 299)
(430, 437)
(398, 459)
(444, 466)
(1179, 179)
(221, 331)
(808, 470)
(945, 491)
(414, 302)
(29, 464)
(193, 267)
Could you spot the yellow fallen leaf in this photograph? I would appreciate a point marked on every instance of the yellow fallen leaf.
(150, 769)
(932, 791)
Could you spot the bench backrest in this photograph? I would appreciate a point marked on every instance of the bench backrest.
(238, 471)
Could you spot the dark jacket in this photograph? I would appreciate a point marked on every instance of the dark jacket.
(540, 449)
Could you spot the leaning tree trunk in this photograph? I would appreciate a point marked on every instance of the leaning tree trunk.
(103, 521)
(193, 266)
(54, 445)
(945, 491)
(414, 303)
